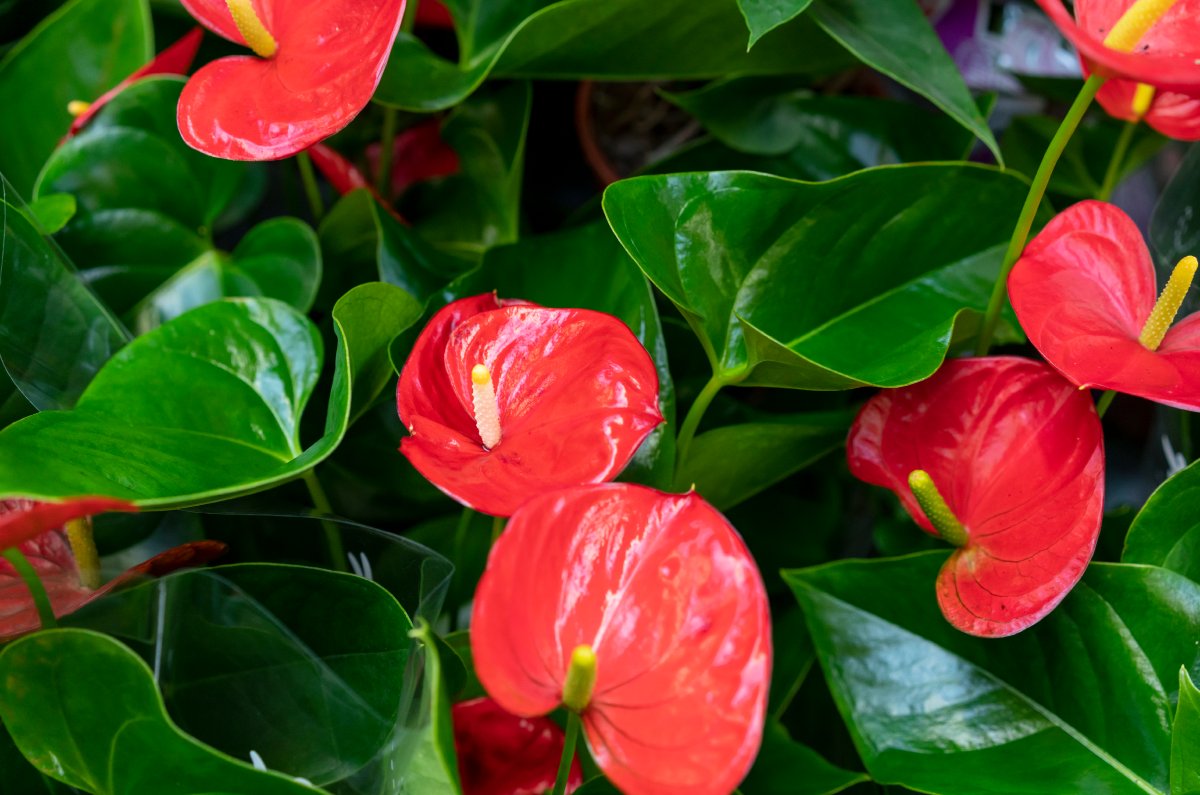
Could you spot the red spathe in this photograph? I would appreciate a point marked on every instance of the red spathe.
(500, 753)
(1017, 453)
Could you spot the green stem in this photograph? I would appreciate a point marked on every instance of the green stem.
(383, 177)
(1117, 162)
(564, 767)
(311, 190)
(1033, 200)
(497, 527)
(692, 421)
(41, 600)
(333, 536)
(1104, 402)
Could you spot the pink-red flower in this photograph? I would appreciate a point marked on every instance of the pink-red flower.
(317, 63)
(174, 60)
(35, 528)
(1017, 455)
(1084, 292)
(564, 398)
(500, 753)
(665, 594)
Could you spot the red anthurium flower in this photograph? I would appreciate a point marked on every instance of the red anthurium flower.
(658, 597)
(317, 64)
(418, 154)
(500, 753)
(1004, 459)
(174, 60)
(434, 14)
(1156, 42)
(506, 400)
(45, 546)
(1084, 293)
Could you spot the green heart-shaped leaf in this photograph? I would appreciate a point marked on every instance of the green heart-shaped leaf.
(102, 41)
(208, 406)
(826, 285)
(87, 713)
(1166, 532)
(1075, 704)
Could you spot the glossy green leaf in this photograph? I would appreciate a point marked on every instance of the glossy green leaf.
(733, 463)
(1081, 169)
(786, 767)
(88, 714)
(433, 766)
(1166, 532)
(763, 16)
(479, 207)
(20, 777)
(895, 38)
(54, 333)
(778, 115)
(1074, 704)
(279, 258)
(825, 285)
(1185, 738)
(102, 41)
(602, 277)
(303, 661)
(143, 431)
(51, 212)
(610, 39)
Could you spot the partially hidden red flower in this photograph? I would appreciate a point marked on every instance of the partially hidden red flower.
(567, 397)
(663, 592)
(434, 14)
(1017, 454)
(1084, 291)
(317, 63)
(174, 60)
(500, 753)
(35, 529)
(1164, 57)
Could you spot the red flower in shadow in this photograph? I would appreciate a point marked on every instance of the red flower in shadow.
(35, 529)
(665, 594)
(565, 398)
(1164, 59)
(316, 66)
(1084, 293)
(1017, 455)
(500, 753)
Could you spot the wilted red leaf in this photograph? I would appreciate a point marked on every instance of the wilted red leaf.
(663, 590)
(1083, 290)
(500, 753)
(576, 394)
(1018, 455)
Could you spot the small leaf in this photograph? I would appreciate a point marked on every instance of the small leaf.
(53, 211)
(763, 16)
(1185, 738)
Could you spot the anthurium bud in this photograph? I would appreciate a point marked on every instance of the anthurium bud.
(936, 510)
(1168, 304)
(581, 679)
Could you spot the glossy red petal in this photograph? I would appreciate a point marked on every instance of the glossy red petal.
(22, 520)
(1170, 61)
(1174, 115)
(343, 175)
(331, 55)
(666, 594)
(419, 154)
(577, 394)
(500, 753)
(1083, 289)
(174, 60)
(1017, 454)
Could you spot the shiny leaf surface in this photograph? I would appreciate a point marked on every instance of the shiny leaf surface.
(1019, 714)
(148, 437)
(1166, 532)
(763, 16)
(105, 41)
(783, 291)
(88, 714)
(663, 590)
(1017, 455)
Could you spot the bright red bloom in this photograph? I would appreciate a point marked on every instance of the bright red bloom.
(663, 590)
(35, 529)
(329, 56)
(174, 60)
(575, 394)
(500, 753)
(1017, 453)
(1083, 291)
(1165, 57)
